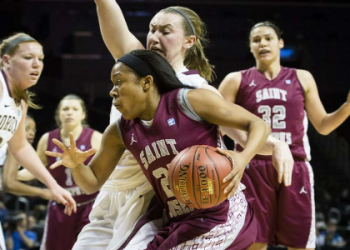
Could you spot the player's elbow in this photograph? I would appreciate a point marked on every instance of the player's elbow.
(9, 185)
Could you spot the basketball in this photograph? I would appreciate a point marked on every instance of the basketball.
(196, 176)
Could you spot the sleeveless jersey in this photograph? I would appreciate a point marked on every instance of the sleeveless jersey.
(63, 175)
(154, 147)
(128, 167)
(10, 113)
(280, 102)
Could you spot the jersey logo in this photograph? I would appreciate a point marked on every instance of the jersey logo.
(132, 139)
(252, 84)
(288, 81)
(303, 191)
(171, 121)
(6, 105)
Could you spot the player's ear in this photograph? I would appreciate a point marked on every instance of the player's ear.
(147, 82)
(281, 43)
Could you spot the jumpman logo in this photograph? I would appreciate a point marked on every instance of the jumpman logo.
(303, 190)
(132, 139)
(252, 84)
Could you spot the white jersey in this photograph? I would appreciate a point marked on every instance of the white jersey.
(10, 113)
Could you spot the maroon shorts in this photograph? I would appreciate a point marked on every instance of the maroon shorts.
(230, 226)
(61, 230)
(285, 215)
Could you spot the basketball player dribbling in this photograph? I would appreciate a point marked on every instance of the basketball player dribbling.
(164, 118)
(21, 66)
(176, 33)
(285, 98)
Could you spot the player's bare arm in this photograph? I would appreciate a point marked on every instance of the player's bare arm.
(115, 32)
(324, 122)
(227, 114)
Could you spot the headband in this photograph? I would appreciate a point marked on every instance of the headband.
(137, 65)
(16, 41)
(183, 14)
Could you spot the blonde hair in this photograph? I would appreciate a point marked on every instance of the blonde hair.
(17, 93)
(71, 97)
(194, 57)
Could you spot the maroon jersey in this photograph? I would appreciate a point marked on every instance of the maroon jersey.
(154, 147)
(280, 102)
(63, 175)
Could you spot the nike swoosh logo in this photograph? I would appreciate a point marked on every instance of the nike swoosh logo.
(6, 106)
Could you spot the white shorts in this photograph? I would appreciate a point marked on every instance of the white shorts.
(113, 217)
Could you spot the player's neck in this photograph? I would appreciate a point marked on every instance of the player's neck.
(269, 70)
(75, 130)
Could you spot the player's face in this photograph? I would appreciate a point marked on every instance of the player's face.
(128, 94)
(166, 37)
(264, 44)
(30, 130)
(26, 65)
(71, 113)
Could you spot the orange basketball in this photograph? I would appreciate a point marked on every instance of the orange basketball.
(196, 176)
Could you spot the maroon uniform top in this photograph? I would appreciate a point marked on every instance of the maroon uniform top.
(280, 102)
(154, 147)
(63, 175)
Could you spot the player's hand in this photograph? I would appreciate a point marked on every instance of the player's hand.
(72, 156)
(64, 197)
(283, 162)
(348, 99)
(234, 177)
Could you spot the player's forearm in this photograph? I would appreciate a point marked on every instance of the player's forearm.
(331, 121)
(18, 188)
(257, 135)
(27, 157)
(85, 178)
(114, 29)
(241, 137)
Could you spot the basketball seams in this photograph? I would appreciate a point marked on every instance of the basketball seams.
(193, 181)
(217, 179)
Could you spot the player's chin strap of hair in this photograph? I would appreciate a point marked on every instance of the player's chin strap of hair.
(138, 65)
(183, 14)
(16, 41)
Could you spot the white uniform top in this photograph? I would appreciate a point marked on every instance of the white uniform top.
(10, 114)
(127, 172)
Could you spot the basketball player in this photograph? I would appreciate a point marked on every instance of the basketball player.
(164, 119)
(177, 33)
(284, 98)
(21, 66)
(61, 231)
(127, 193)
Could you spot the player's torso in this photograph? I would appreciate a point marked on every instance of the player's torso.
(155, 147)
(280, 102)
(10, 113)
(63, 175)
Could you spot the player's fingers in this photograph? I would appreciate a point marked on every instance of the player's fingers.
(230, 175)
(72, 203)
(72, 141)
(56, 164)
(60, 144)
(235, 183)
(53, 154)
(90, 152)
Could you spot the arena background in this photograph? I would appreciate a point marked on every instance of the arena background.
(316, 35)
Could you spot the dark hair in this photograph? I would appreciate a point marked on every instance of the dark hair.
(268, 24)
(165, 77)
